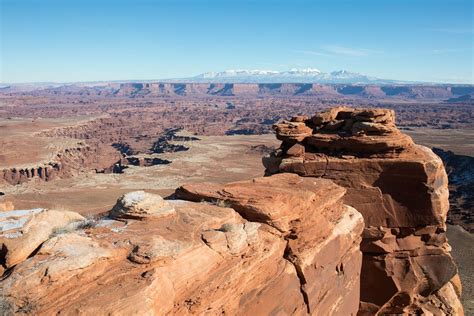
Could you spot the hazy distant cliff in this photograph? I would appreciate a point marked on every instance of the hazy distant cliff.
(156, 89)
(445, 92)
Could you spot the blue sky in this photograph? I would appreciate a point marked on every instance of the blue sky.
(72, 40)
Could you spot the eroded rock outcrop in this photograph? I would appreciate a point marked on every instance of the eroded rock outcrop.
(276, 245)
(320, 231)
(66, 163)
(401, 190)
(22, 231)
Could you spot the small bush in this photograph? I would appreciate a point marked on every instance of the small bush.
(87, 223)
(62, 230)
(223, 203)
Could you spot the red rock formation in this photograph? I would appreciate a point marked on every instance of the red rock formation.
(201, 89)
(401, 190)
(294, 248)
(65, 164)
(321, 232)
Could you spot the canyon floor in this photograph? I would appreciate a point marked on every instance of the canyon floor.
(217, 159)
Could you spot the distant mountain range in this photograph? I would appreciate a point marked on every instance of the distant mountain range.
(308, 75)
(242, 76)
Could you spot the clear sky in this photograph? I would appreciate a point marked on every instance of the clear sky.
(72, 40)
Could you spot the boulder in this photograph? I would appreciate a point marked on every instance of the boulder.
(141, 205)
(292, 131)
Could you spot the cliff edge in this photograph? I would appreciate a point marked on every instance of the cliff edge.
(400, 188)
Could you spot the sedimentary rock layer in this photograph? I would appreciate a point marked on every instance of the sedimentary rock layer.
(196, 89)
(275, 245)
(400, 188)
(66, 163)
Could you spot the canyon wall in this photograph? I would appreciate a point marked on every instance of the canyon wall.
(167, 89)
(66, 163)
(400, 188)
(291, 89)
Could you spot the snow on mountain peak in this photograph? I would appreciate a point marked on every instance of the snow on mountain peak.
(304, 71)
(294, 75)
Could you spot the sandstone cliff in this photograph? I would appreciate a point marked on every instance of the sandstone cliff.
(275, 245)
(197, 89)
(400, 188)
(155, 89)
(65, 163)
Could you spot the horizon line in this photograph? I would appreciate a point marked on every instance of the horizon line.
(190, 80)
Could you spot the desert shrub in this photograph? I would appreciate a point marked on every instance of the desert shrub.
(223, 203)
(62, 230)
(87, 223)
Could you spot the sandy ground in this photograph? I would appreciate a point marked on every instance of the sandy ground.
(459, 141)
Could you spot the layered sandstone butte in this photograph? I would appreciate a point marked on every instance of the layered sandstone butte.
(400, 188)
(277, 245)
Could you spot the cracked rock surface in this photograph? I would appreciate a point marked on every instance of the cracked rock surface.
(274, 245)
(400, 188)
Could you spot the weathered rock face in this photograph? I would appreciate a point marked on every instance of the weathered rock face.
(321, 232)
(401, 190)
(22, 231)
(277, 245)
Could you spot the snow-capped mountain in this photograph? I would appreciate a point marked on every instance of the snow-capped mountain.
(237, 73)
(307, 75)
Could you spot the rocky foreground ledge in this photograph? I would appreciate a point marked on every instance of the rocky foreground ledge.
(291, 243)
(400, 188)
(275, 245)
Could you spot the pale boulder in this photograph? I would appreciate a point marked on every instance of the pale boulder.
(141, 205)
